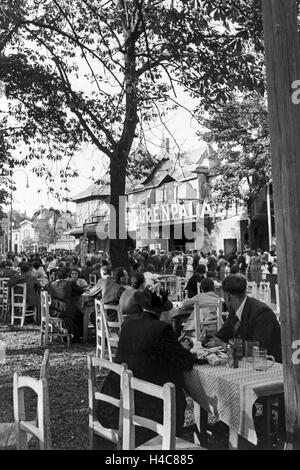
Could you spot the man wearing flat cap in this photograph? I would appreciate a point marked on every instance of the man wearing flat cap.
(150, 349)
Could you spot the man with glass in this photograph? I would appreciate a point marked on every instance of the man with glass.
(249, 319)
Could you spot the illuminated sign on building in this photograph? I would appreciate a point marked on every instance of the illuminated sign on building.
(168, 212)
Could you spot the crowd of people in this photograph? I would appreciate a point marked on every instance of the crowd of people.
(63, 276)
(155, 350)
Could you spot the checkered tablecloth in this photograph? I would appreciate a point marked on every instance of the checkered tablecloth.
(230, 393)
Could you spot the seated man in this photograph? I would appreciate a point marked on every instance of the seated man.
(66, 291)
(150, 349)
(74, 277)
(8, 270)
(109, 289)
(85, 272)
(128, 304)
(249, 318)
(33, 285)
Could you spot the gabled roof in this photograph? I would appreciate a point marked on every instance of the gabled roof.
(23, 222)
(102, 190)
(182, 168)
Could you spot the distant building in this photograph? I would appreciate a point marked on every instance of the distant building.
(173, 208)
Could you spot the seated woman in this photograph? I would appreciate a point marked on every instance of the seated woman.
(150, 349)
(66, 291)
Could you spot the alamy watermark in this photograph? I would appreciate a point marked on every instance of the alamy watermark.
(296, 93)
(182, 220)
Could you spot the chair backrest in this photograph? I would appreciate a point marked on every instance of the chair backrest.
(92, 279)
(94, 396)
(265, 292)
(200, 321)
(18, 295)
(252, 290)
(100, 330)
(3, 284)
(45, 303)
(4, 298)
(166, 429)
(180, 287)
(41, 428)
(111, 328)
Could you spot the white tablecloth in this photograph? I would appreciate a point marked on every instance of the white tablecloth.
(230, 393)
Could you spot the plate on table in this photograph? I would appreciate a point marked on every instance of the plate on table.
(213, 356)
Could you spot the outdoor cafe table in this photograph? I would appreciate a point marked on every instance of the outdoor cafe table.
(230, 394)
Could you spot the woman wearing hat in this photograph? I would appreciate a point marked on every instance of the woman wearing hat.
(150, 349)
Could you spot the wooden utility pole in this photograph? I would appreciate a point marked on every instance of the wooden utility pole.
(283, 70)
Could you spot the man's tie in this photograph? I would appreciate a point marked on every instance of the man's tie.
(236, 324)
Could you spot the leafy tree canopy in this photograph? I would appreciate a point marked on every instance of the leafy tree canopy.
(241, 131)
(112, 64)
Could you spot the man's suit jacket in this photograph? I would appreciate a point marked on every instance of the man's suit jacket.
(150, 349)
(259, 323)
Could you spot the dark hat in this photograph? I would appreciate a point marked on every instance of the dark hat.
(157, 301)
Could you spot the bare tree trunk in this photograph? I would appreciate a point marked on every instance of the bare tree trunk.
(283, 73)
(117, 241)
(119, 245)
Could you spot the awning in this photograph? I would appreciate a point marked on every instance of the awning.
(76, 231)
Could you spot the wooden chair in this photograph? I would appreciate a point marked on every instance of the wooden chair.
(252, 290)
(8, 430)
(166, 439)
(180, 287)
(95, 426)
(265, 292)
(4, 298)
(200, 322)
(108, 330)
(100, 331)
(18, 304)
(169, 283)
(51, 326)
(92, 280)
(40, 428)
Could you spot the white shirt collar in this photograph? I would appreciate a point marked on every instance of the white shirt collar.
(241, 308)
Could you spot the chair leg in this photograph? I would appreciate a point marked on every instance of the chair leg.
(68, 341)
(21, 439)
(91, 439)
(23, 318)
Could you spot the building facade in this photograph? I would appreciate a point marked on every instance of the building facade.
(174, 208)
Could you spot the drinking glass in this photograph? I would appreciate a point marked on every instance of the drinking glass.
(249, 344)
(237, 344)
(260, 359)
